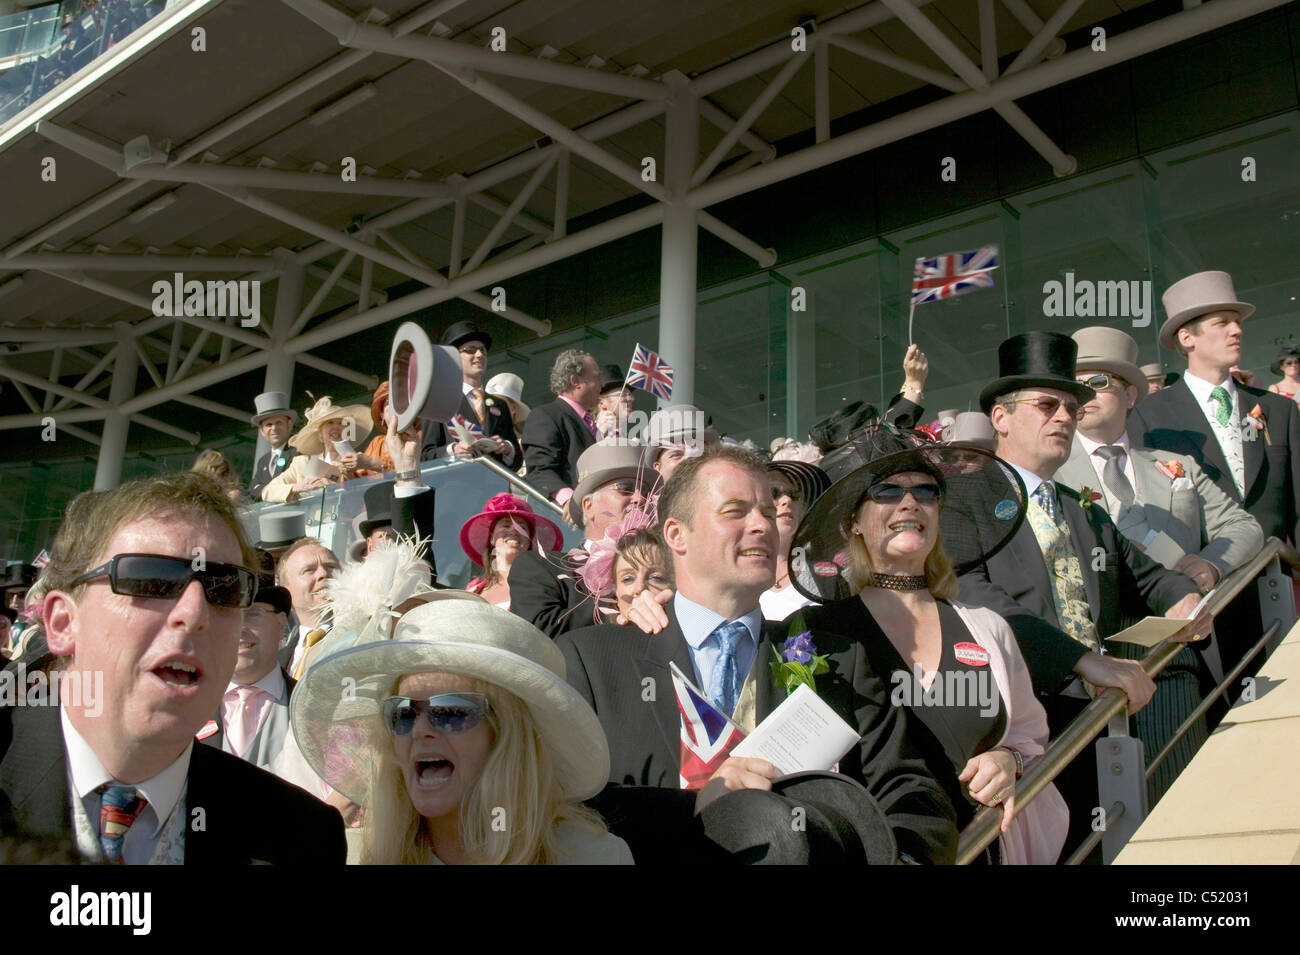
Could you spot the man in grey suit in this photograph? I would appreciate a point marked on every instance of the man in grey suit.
(253, 719)
(1169, 508)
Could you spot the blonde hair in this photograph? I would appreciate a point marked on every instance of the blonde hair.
(519, 778)
(940, 579)
(214, 464)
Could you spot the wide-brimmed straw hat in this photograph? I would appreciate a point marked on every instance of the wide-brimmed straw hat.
(507, 385)
(1196, 295)
(983, 506)
(476, 531)
(336, 707)
(1110, 350)
(309, 441)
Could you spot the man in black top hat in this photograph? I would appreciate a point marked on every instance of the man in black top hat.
(18, 579)
(615, 403)
(1068, 579)
(489, 414)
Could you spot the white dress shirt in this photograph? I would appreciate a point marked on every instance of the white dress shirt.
(271, 469)
(162, 792)
(1229, 436)
(698, 624)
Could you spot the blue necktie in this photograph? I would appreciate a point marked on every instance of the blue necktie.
(724, 683)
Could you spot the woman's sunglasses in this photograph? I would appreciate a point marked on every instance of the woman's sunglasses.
(447, 713)
(894, 493)
(165, 578)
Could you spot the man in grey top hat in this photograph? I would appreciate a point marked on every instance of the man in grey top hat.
(274, 420)
(673, 434)
(545, 590)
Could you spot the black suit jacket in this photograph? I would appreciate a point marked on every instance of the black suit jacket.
(262, 473)
(545, 591)
(1172, 420)
(609, 665)
(499, 424)
(554, 437)
(248, 814)
(1014, 583)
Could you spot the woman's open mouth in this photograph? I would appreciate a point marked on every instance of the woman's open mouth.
(433, 773)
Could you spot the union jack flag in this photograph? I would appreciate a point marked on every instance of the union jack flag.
(708, 737)
(650, 373)
(953, 274)
(41, 559)
(475, 431)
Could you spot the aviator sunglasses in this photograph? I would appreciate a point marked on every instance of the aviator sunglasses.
(447, 713)
(165, 578)
(894, 493)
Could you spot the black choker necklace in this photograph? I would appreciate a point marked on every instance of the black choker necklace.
(897, 582)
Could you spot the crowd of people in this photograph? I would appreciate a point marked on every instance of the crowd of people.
(948, 587)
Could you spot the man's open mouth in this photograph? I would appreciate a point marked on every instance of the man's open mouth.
(176, 673)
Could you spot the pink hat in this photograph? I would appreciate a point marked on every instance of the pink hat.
(474, 535)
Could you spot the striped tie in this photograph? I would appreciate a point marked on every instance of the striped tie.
(477, 400)
(119, 807)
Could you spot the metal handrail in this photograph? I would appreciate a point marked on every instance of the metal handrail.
(502, 471)
(985, 827)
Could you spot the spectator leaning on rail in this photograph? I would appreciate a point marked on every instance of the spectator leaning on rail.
(326, 451)
(153, 641)
(558, 432)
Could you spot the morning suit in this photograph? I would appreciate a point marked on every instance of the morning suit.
(545, 590)
(1173, 420)
(269, 739)
(554, 437)
(267, 469)
(609, 665)
(496, 423)
(248, 815)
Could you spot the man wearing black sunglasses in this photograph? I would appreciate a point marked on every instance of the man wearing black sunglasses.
(147, 586)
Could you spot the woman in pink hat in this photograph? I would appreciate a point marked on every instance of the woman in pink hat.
(493, 538)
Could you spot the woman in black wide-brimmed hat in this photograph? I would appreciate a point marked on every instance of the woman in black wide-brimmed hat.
(882, 548)
(1287, 366)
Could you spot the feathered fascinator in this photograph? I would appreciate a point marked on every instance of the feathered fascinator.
(363, 598)
(598, 571)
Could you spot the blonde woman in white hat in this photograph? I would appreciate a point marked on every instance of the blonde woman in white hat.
(462, 740)
(326, 451)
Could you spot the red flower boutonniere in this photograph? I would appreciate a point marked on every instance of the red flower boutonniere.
(1087, 496)
(1172, 469)
(1257, 422)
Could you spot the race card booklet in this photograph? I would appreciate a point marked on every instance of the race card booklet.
(470, 437)
(1151, 631)
(801, 735)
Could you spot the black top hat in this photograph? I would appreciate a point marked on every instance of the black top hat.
(379, 507)
(1287, 352)
(842, 822)
(269, 593)
(9, 612)
(611, 378)
(19, 576)
(1036, 360)
(463, 332)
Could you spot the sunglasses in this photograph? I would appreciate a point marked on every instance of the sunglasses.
(447, 713)
(894, 493)
(165, 578)
(1048, 407)
(1102, 381)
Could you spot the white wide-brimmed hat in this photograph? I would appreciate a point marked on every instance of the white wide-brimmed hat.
(1111, 350)
(506, 385)
(309, 441)
(1198, 295)
(336, 707)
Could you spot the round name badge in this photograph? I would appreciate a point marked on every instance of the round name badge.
(971, 654)
(1005, 510)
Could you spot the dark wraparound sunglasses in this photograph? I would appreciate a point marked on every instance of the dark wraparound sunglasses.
(165, 578)
(894, 493)
(447, 713)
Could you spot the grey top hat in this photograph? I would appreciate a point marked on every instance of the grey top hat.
(677, 424)
(281, 528)
(605, 461)
(1153, 370)
(1196, 295)
(271, 403)
(974, 427)
(1112, 350)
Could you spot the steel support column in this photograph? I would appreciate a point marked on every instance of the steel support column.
(677, 264)
(112, 449)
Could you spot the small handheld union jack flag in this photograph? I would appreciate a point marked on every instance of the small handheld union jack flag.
(953, 274)
(650, 373)
(708, 736)
(472, 427)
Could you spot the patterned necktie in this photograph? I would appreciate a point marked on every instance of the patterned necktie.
(1113, 475)
(1224, 414)
(1045, 496)
(590, 422)
(1069, 594)
(724, 682)
(119, 807)
(476, 399)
